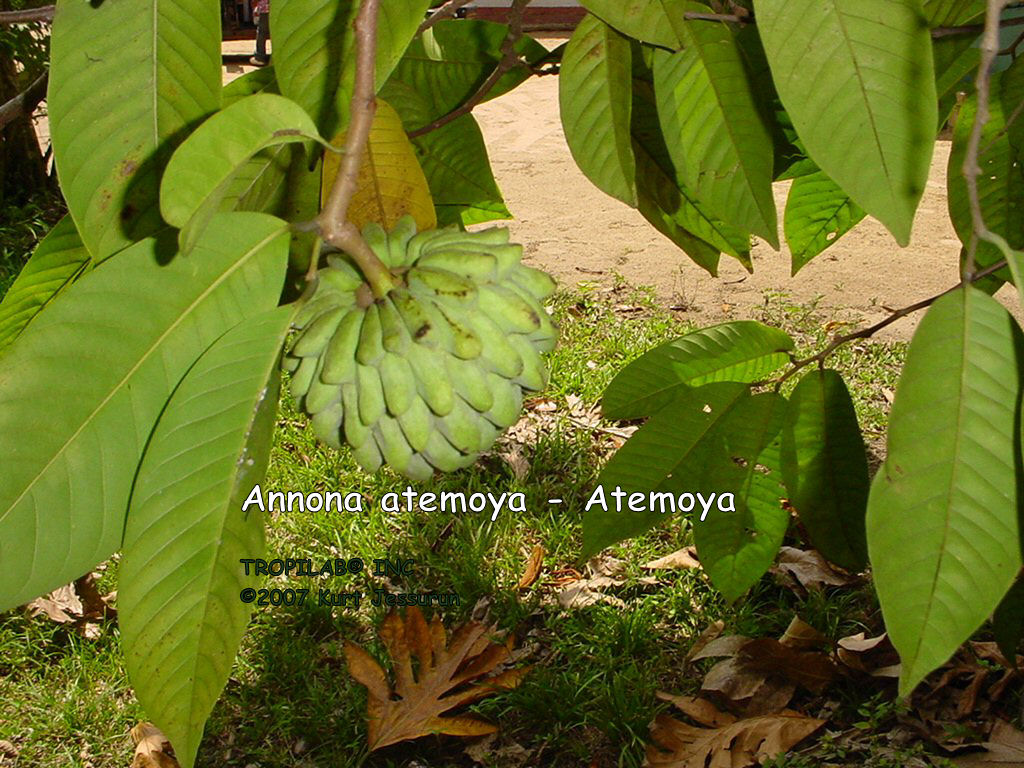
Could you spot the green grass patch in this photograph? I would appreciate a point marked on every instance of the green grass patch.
(65, 700)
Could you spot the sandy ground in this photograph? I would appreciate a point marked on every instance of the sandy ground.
(579, 234)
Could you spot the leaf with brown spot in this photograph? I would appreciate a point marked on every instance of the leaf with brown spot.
(152, 749)
(740, 744)
(446, 675)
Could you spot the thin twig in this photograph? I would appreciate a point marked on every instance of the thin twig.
(333, 222)
(971, 166)
(898, 314)
(446, 11)
(27, 16)
(25, 103)
(510, 59)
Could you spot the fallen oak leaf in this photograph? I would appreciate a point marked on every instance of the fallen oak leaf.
(810, 670)
(739, 744)
(809, 569)
(152, 749)
(448, 675)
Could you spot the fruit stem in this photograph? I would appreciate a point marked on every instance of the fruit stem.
(333, 222)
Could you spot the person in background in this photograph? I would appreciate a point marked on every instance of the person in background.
(261, 9)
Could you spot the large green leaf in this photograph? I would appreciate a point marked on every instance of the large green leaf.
(652, 21)
(448, 64)
(665, 200)
(58, 260)
(956, 60)
(454, 160)
(869, 119)
(101, 364)
(1000, 183)
(742, 351)
(818, 213)
(718, 141)
(742, 458)
(1011, 97)
(949, 482)
(261, 80)
(950, 13)
(179, 610)
(825, 467)
(595, 95)
(666, 455)
(202, 170)
(314, 52)
(127, 79)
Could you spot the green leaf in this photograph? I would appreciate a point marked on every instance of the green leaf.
(1000, 183)
(101, 364)
(454, 160)
(869, 119)
(127, 81)
(742, 351)
(314, 52)
(1011, 97)
(666, 455)
(58, 260)
(949, 482)
(179, 610)
(742, 458)
(1008, 621)
(956, 60)
(652, 21)
(951, 13)
(719, 144)
(662, 193)
(825, 467)
(818, 213)
(445, 66)
(595, 101)
(202, 170)
(260, 80)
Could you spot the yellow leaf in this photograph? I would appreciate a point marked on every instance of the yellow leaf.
(391, 181)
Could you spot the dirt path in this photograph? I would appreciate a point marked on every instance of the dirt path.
(580, 234)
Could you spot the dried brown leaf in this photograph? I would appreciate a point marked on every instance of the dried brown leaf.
(809, 569)
(152, 749)
(729, 645)
(1005, 747)
(802, 636)
(740, 687)
(533, 566)
(701, 710)
(683, 558)
(712, 632)
(741, 744)
(873, 656)
(810, 670)
(448, 674)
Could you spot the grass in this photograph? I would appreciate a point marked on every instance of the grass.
(590, 694)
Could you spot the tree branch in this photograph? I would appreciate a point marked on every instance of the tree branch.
(971, 166)
(25, 103)
(27, 16)
(510, 59)
(333, 222)
(865, 333)
(446, 11)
